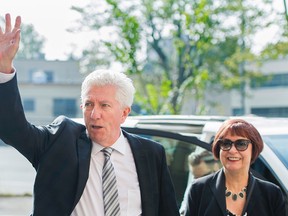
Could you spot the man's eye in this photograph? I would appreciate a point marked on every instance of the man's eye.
(88, 104)
(105, 105)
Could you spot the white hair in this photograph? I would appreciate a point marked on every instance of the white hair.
(124, 85)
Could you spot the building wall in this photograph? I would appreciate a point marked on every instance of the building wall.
(269, 100)
(66, 84)
(216, 103)
(42, 82)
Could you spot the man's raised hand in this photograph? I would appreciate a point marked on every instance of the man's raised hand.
(9, 43)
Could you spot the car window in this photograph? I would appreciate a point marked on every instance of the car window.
(177, 148)
(279, 144)
(260, 170)
(2, 143)
(183, 172)
(177, 160)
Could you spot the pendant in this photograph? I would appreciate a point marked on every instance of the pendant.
(228, 193)
(234, 196)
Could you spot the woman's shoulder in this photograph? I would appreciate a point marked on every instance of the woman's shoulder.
(272, 193)
(267, 186)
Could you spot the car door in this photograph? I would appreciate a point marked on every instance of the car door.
(178, 147)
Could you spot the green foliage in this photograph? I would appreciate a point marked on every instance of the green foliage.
(170, 47)
(279, 48)
(156, 97)
(31, 45)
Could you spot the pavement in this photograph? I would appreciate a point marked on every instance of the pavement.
(16, 180)
(15, 206)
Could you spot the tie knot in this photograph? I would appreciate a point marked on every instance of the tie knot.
(107, 151)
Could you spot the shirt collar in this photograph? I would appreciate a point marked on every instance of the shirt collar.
(119, 145)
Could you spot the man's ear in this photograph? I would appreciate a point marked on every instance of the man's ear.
(125, 113)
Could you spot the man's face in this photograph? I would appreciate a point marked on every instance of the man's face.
(103, 114)
(200, 170)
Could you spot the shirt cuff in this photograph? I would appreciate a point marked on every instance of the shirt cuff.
(6, 77)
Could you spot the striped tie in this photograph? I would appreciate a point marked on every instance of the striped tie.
(110, 192)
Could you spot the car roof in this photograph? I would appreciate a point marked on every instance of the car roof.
(184, 124)
(199, 124)
(190, 124)
(265, 126)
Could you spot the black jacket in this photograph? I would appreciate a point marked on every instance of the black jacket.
(207, 197)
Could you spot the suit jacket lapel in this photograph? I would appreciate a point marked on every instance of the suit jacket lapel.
(217, 186)
(252, 192)
(84, 154)
(141, 159)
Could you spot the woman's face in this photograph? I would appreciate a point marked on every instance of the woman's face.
(234, 160)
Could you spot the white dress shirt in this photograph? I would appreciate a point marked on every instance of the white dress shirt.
(91, 201)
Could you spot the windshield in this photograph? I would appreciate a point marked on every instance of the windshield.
(279, 144)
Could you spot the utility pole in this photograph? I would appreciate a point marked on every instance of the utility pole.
(242, 65)
(242, 88)
(285, 9)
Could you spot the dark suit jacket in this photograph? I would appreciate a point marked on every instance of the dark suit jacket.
(60, 153)
(207, 197)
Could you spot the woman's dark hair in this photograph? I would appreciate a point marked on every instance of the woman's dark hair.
(239, 127)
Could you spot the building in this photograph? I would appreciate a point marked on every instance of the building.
(269, 99)
(52, 88)
(49, 89)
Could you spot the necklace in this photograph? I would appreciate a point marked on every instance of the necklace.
(234, 196)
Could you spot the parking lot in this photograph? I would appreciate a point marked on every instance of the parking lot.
(15, 206)
(16, 180)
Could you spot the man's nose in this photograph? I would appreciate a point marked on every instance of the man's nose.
(95, 113)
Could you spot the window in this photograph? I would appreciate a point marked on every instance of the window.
(237, 111)
(276, 80)
(49, 76)
(29, 105)
(64, 106)
(42, 76)
(271, 112)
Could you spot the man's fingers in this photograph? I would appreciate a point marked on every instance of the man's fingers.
(17, 37)
(8, 23)
(17, 23)
(8, 27)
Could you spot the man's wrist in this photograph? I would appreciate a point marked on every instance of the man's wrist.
(6, 69)
(5, 77)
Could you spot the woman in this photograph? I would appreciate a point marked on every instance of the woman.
(234, 190)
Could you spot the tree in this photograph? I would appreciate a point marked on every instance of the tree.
(251, 16)
(279, 47)
(285, 10)
(191, 45)
(31, 45)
